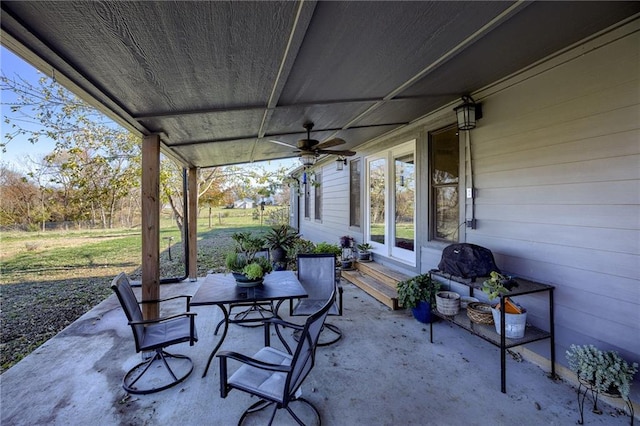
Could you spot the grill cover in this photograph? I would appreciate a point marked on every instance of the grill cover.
(467, 261)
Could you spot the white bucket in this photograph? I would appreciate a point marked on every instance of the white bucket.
(514, 324)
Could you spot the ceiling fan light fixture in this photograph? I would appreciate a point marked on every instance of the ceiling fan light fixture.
(308, 160)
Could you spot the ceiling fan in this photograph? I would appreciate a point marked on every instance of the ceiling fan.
(310, 149)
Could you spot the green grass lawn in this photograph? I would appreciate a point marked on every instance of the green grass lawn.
(48, 280)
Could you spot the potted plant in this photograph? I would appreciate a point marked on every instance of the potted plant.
(346, 243)
(603, 371)
(246, 268)
(279, 240)
(364, 251)
(416, 294)
(515, 315)
(299, 245)
(328, 248)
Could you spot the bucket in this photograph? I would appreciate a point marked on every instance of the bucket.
(514, 324)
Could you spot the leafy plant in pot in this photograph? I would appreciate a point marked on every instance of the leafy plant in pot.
(246, 267)
(515, 315)
(416, 294)
(279, 240)
(364, 251)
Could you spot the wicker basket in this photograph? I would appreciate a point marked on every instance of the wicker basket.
(448, 303)
(480, 313)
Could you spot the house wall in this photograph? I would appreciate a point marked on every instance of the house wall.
(556, 169)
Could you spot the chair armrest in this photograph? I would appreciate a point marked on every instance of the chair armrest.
(157, 320)
(283, 323)
(278, 322)
(165, 299)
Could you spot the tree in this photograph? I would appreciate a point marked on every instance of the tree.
(95, 164)
(19, 201)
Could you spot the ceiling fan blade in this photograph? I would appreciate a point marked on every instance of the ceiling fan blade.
(344, 153)
(330, 143)
(282, 143)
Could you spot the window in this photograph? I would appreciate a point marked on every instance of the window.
(445, 170)
(317, 201)
(355, 174)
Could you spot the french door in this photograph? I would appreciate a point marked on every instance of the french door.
(390, 202)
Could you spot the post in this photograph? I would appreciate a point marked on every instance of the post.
(151, 225)
(193, 223)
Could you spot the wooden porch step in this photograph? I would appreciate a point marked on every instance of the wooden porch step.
(373, 287)
(389, 277)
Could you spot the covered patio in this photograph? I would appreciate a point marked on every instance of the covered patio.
(216, 83)
(383, 372)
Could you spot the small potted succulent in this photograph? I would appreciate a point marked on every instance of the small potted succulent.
(364, 251)
(603, 371)
(416, 294)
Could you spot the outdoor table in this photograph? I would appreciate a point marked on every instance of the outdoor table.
(221, 290)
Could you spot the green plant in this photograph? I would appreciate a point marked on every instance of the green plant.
(328, 248)
(235, 262)
(364, 247)
(416, 289)
(282, 236)
(605, 371)
(253, 271)
(497, 284)
(248, 244)
(264, 264)
(299, 245)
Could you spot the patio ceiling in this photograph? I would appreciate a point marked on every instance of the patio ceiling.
(219, 80)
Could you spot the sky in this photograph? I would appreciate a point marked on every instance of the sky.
(13, 66)
(19, 148)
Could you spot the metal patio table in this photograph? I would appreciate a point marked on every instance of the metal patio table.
(221, 290)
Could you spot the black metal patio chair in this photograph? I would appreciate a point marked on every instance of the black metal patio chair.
(155, 335)
(317, 274)
(273, 375)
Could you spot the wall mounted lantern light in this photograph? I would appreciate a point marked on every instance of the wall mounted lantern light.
(340, 163)
(308, 159)
(468, 112)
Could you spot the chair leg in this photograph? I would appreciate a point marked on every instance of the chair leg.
(136, 373)
(332, 328)
(335, 330)
(262, 404)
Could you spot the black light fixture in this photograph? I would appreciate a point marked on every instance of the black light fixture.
(468, 113)
(340, 163)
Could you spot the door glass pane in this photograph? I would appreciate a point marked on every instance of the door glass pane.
(404, 202)
(376, 197)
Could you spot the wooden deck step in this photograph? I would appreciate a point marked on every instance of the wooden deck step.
(380, 290)
(386, 275)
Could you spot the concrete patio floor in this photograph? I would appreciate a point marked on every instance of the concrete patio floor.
(383, 372)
